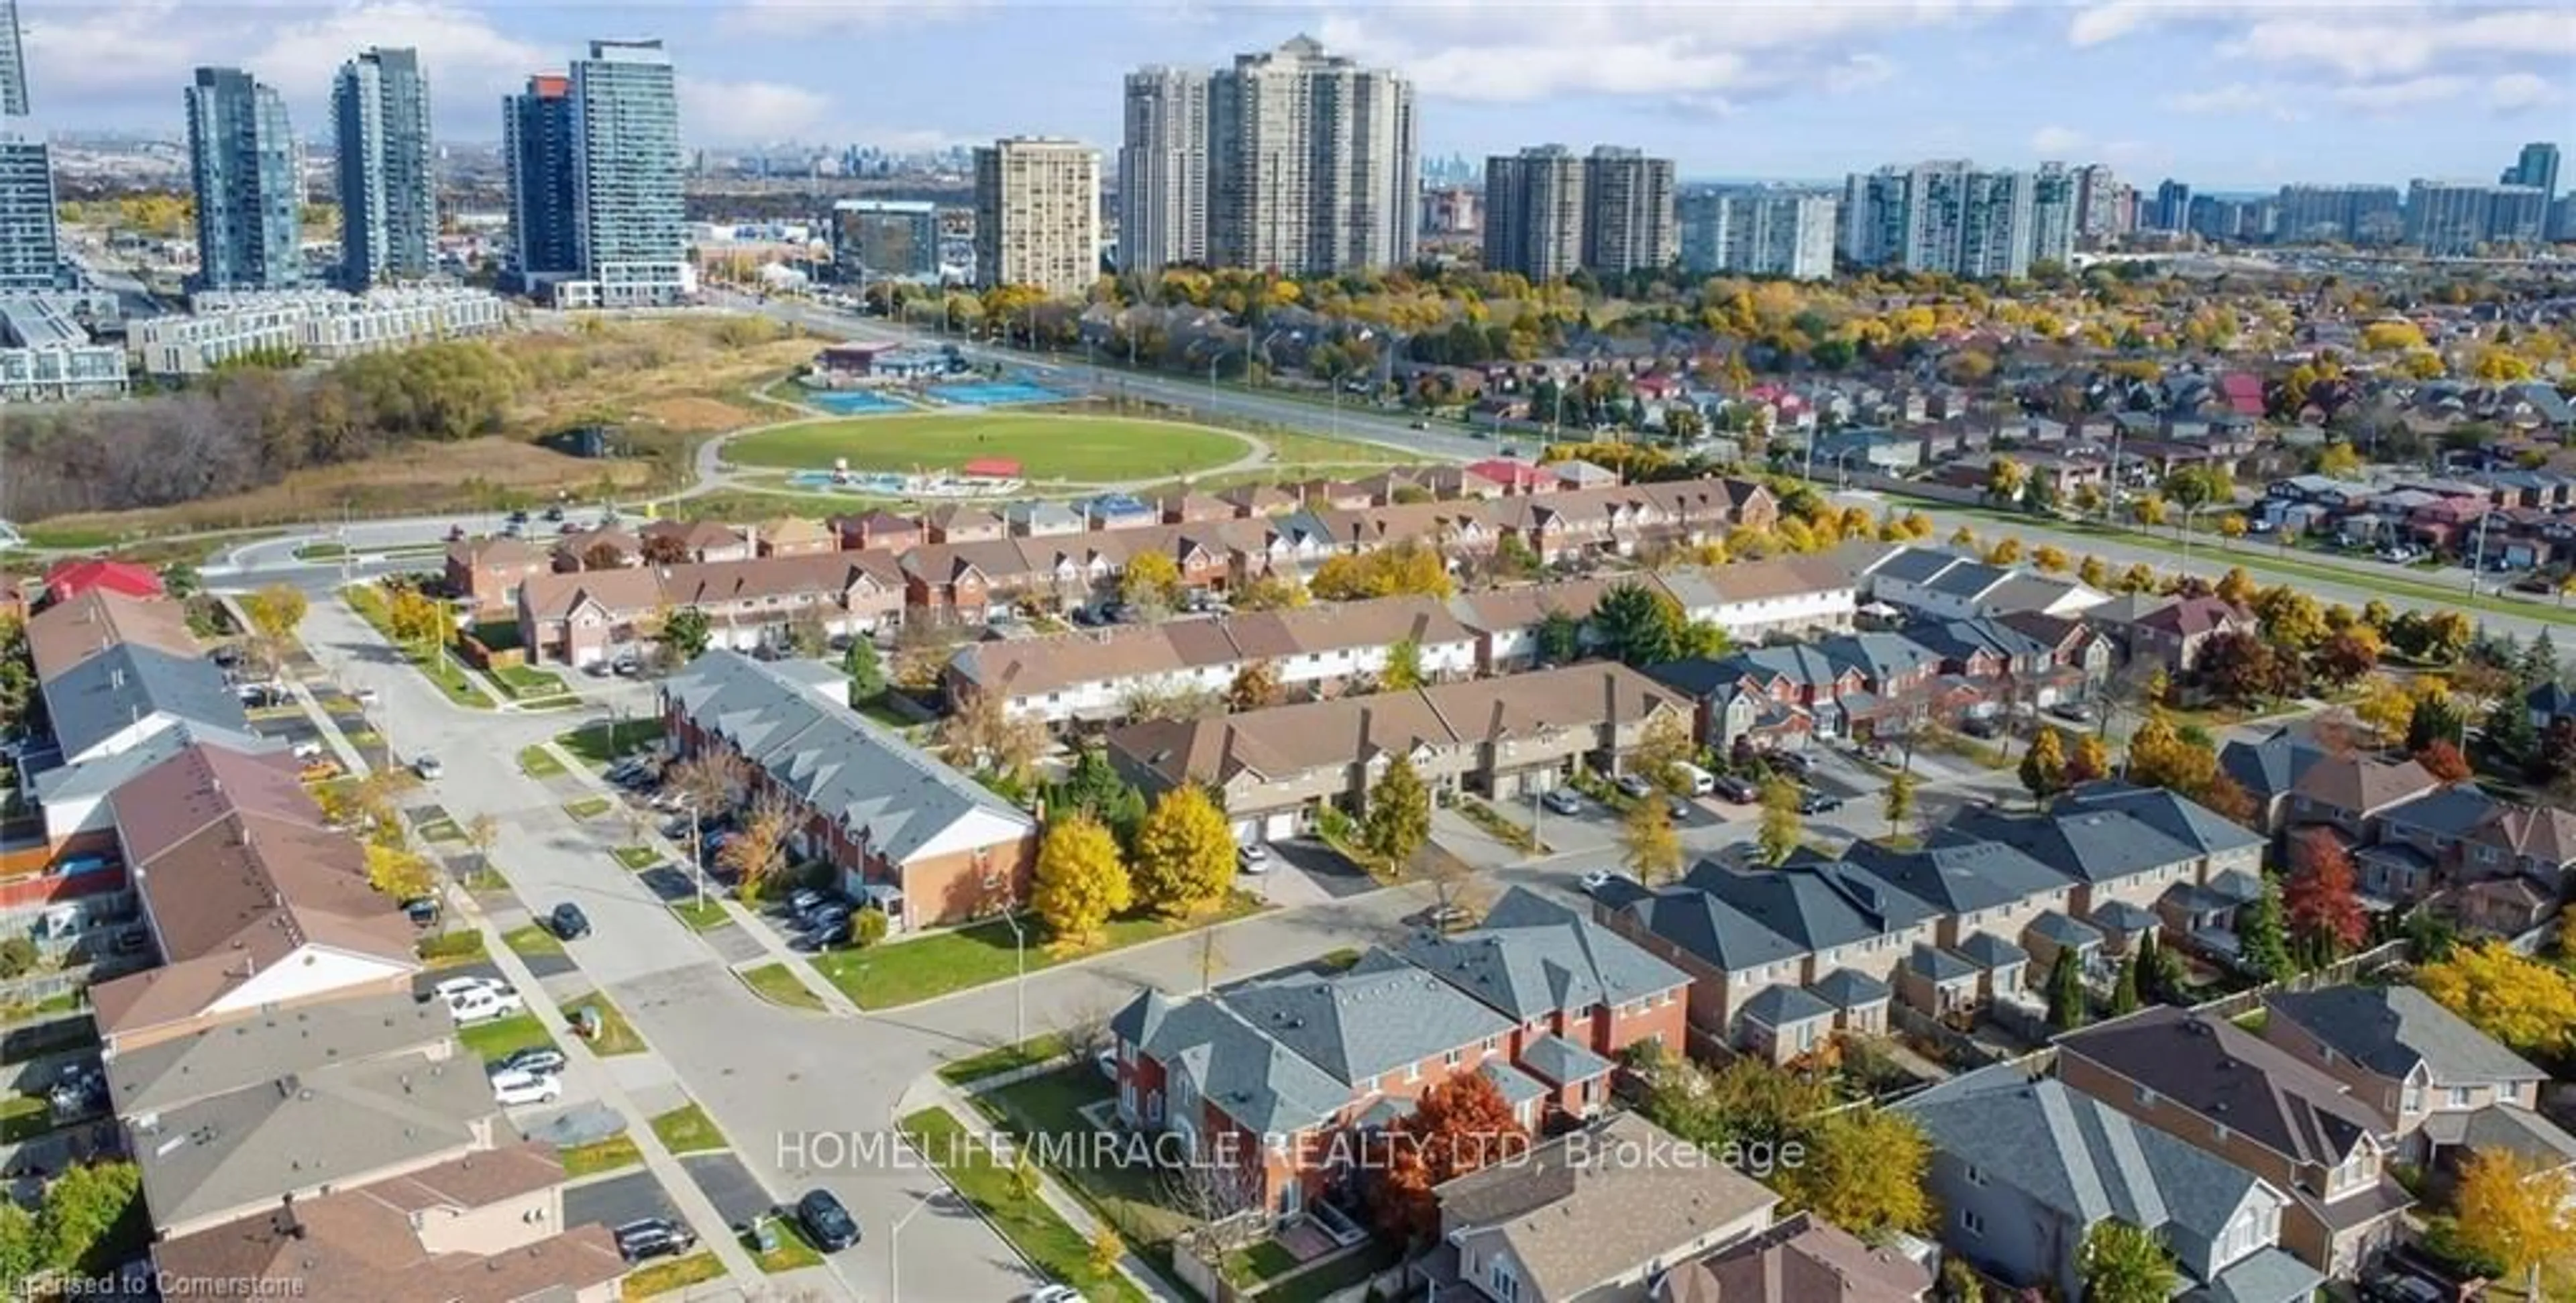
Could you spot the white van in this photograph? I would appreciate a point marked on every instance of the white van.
(1700, 781)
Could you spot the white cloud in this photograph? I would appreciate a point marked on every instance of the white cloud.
(2053, 140)
(2406, 41)
(2399, 96)
(749, 112)
(2522, 90)
(1696, 56)
(807, 18)
(2233, 98)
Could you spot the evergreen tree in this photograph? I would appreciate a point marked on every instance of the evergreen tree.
(2066, 1008)
(2265, 935)
(2124, 990)
(2539, 662)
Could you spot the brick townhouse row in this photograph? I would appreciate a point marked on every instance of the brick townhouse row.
(1280, 1080)
(963, 563)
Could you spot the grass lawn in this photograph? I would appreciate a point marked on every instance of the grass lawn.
(688, 1130)
(442, 671)
(601, 1156)
(1262, 1261)
(1288, 449)
(616, 1035)
(539, 762)
(531, 940)
(670, 1276)
(592, 745)
(1128, 1196)
(1005, 1058)
(701, 916)
(636, 857)
(1089, 449)
(1029, 1224)
(22, 1116)
(792, 1253)
(588, 807)
(524, 684)
(491, 1040)
(441, 830)
(905, 972)
(779, 985)
(450, 949)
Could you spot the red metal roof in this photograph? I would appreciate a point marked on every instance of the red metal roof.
(998, 468)
(68, 579)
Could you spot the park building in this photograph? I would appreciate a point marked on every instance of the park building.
(316, 324)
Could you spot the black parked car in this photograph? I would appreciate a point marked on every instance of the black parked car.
(654, 1237)
(568, 922)
(1815, 802)
(1737, 790)
(826, 1222)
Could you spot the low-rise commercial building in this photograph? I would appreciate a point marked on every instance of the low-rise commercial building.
(308, 323)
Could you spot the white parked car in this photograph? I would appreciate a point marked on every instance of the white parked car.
(1254, 858)
(306, 750)
(481, 1006)
(1594, 881)
(1055, 1294)
(511, 1089)
(455, 986)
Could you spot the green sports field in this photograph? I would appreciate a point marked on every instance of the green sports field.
(1080, 449)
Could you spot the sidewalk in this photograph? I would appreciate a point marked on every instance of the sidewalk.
(960, 1105)
(773, 948)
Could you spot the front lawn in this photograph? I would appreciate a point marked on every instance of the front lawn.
(502, 1036)
(1128, 1195)
(688, 1130)
(778, 984)
(669, 1277)
(636, 857)
(701, 915)
(1028, 1224)
(530, 940)
(794, 1251)
(539, 762)
(1004, 1058)
(524, 684)
(450, 949)
(441, 830)
(439, 668)
(592, 744)
(24, 1116)
(616, 1035)
(601, 1156)
(588, 807)
(895, 973)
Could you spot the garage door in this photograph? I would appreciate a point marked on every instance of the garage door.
(1282, 824)
(1246, 831)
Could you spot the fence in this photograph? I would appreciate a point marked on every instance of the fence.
(1952, 1046)
(2342, 970)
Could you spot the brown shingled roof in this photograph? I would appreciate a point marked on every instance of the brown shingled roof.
(71, 631)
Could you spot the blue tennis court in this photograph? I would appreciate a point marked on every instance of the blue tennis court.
(852, 402)
(997, 393)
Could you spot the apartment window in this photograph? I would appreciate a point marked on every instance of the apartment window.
(1970, 1222)
(2460, 1096)
(1451, 1058)
(1493, 1043)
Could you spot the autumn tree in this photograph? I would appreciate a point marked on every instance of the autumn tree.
(2518, 1213)
(2325, 914)
(686, 633)
(709, 778)
(1081, 881)
(1780, 826)
(2050, 559)
(1398, 819)
(1255, 685)
(2527, 1004)
(2089, 762)
(1459, 1126)
(1403, 669)
(1899, 796)
(1863, 1171)
(1648, 844)
(757, 850)
(2442, 759)
(2346, 655)
(2043, 766)
(1663, 746)
(982, 732)
(1408, 568)
(273, 614)
(400, 873)
(1151, 581)
(2122, 1262)
(1276, 592)
(1184, 858)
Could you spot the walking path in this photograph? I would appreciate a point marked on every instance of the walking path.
(960, 1105)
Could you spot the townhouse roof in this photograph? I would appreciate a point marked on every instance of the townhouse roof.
(2220, 1071)
(2393, 1030)
(2167, 812)
(2090, 845)
(361, 1243)
(644, 588)
(1532, 956)
(2362, 783)
(2545, 834)
(1915, 565)
(1956, 873)
(2267, 1275)
(1958, 640)
(2023, 591)
(1815, 905)
(97, 777)
(275, 1043)
(2505, 1126)
(2078, 1156)
(74, 629)
(1379, 1016)
(2454, 811)
(296, 1132)
(1517, 1087)
(498, 551)
(1556, 1059)
(792, 719)
(2267, 766)
(1575, 1214)
(1029, 666)
(1847, 988)
(795, 530)
(1802, 1259)
(1283, 741)
(2121, 916)
(1256, 1080)
(1711, 930)
(2066, 931)
(1781, 1005)
(2191, 617)
(1989, 952)
(89, 704)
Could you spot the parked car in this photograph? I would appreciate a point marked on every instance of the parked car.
(366, 696)
(2073, 712)
(483, 1006)
(428, 768)
(512, 1089)
(568, 922)
(1678, 809)
(1444, 917)
(453, 987)
(626, 667)
(536, 1060)
(1814, 802)
(1253, 858)
(1562, 800)
(1594, 881)
(804, 899)
(1737, 790)
(653, 1237)
(1793, 763)
(1635, 786)
(1982, 726)
(826, 1222)
(2399, 1287)
(1067, 1293)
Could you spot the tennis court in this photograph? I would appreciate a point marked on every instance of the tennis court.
(996, 393)
(853, 402)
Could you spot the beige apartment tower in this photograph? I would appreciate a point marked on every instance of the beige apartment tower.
(1534, 211)
(1037, 215)
(1163, 170)
(1311, 163)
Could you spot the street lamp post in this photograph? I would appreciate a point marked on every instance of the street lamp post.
(894, 1233)
(1019, 983)
(697, 856)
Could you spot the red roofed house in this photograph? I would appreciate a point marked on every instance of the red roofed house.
(69, 579)
(1515, 477)
(991, 468)
(2243, 391)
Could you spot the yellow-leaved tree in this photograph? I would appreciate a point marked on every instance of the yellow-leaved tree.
(1081, 881)
(2525, 1003)
(2519, 1215)
(1184, 853)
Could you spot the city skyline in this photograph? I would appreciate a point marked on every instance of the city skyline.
(2230, 97)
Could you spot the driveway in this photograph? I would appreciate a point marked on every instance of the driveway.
(613, 1201)
(1329, 875)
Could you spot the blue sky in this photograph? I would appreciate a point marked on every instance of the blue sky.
(2220, 93)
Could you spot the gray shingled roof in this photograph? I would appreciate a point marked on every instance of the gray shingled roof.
(2454, 811)
(2065, 931)
(1957, 873)
(1783, 1004)
(1517, 1087)
(844, 765)
(100, 697)
(2093, 845)
(2391, 1029)
(1556, 1059)
(2077, 1155)
(1254, 1079)
(1379, 1016)
(1938, 964)
(2171, 813)
(2505, 1126)
(1988, 951)
(1713, 930)
(100, 776)
(2121, 916)
(2212, 1067)
(1915, 564)
(281, 1043)
(1804, 903)
(1845, 988)
(2267, 1275)
(1534, 956)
